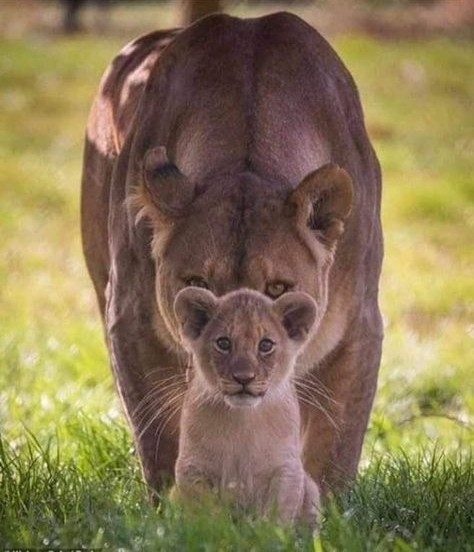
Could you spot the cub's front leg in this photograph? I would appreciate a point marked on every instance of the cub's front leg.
(191, 483)
(310, 510)
(287, 493)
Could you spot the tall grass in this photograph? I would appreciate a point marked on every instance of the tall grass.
(94, 496)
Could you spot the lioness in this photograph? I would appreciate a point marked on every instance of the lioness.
(244, 348)
(234, 154)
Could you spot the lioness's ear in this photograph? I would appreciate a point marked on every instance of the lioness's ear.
(194, 308)
(297, 312)
(165, 192)
(323, 201)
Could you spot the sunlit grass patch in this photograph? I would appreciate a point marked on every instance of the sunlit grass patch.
(408, 503)
(53, 496)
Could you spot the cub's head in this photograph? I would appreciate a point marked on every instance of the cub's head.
(244, 345)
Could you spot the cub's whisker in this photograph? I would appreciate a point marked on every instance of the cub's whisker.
(305, 397)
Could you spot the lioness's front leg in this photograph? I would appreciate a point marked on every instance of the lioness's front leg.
(333, 435)
(146, 375)
(155, 427)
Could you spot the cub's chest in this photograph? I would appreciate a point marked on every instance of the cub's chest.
(245, 473)
(240, 451)
(243, 459)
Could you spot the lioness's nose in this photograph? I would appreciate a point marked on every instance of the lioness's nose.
(243, 377)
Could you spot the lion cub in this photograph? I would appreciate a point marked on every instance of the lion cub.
(240, 424)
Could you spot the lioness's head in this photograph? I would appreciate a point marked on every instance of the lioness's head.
(244, 345)
(236, 229)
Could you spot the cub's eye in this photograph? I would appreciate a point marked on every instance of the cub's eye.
(196, 281)
(223, 344)
(266, 346)
(275, 289)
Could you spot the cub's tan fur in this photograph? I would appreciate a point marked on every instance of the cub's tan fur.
(240, 423)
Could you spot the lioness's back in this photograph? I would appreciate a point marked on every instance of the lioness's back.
(269, 93)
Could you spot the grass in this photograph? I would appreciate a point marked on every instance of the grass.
(68, 475)
(91, 494)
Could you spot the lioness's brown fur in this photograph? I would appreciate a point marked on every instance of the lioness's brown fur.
(240, 423)
(231, 134)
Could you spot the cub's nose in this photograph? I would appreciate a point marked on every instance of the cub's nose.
(243, 377)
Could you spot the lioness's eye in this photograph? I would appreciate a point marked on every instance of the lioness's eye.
(196, 281)
(223, 344)
(266, 346)
(276, 289)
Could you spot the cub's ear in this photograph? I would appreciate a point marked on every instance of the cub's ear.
(194, 308)
(165, 192)
(323, 201)
(297, 312)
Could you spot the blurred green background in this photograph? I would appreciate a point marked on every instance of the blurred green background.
(413, 63)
